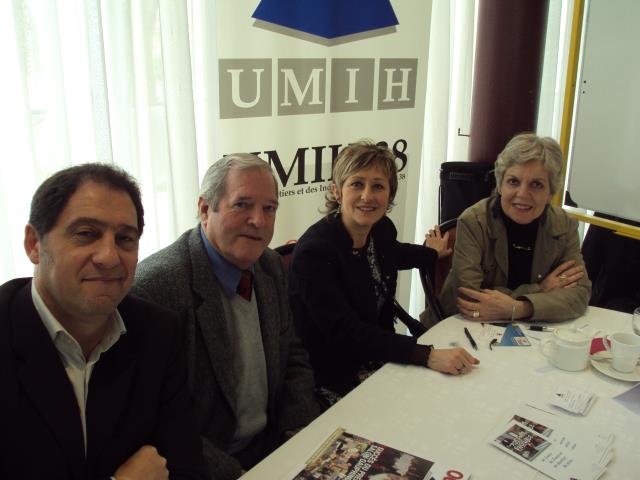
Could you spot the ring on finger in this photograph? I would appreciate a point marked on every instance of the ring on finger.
(475, 314)
(562, 277)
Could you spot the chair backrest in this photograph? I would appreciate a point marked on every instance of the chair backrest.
(461, 185)
(432, 281)
(443, 265)
(286, 253)
(433, 307)
(414, 326)
(613, 265)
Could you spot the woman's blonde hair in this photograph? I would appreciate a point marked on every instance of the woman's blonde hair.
(358, 156)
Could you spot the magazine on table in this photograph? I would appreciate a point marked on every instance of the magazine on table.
(345, 456)
(554, 447)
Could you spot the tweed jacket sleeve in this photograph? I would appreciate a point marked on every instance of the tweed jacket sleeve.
(220, 465)
(295, 404)
(167, 278)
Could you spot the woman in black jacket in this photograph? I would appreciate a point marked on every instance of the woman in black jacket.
(344, 273)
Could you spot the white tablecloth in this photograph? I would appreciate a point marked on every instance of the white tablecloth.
(448, 419)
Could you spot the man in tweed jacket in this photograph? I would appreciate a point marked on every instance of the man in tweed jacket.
(248, 371)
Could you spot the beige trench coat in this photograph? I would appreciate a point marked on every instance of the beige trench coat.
(480, 260)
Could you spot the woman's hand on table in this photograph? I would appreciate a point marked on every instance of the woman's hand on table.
(488, 305)
(455, 361)
(434, 239)
(566, 275)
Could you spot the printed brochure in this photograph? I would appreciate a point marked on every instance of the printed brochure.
(345, 456)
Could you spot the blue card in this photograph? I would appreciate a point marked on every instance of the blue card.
(513, 336)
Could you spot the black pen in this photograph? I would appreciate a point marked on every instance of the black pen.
(471, 340)
(540, 328)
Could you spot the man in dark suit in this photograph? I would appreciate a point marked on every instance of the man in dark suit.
(93, 380)
(250, 376)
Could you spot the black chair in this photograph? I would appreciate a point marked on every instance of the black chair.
(415, 327)
(443, 265)
(461, 185)
(286, 253)
(613, 265)
(432, 281)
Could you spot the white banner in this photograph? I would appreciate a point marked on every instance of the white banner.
(299, 79)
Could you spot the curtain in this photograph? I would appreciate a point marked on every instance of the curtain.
(111, 81)
(448, 108)
(554, 72)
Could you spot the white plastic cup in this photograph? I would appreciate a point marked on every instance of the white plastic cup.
(625, 350)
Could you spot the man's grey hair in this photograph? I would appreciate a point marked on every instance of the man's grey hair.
(213, 184)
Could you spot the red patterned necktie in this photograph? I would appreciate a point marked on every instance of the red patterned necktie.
(244, 286)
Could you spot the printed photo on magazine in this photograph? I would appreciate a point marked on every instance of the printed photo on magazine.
(557, 455)
(522, 442)
(533, 425)
(345, 456)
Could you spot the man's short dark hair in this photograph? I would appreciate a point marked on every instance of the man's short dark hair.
(53, 195)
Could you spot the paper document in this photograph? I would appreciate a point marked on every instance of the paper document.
(630, 399)
(573, 400)
(556, 448)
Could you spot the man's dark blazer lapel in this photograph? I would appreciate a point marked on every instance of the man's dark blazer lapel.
(210, 317)
(40, 370)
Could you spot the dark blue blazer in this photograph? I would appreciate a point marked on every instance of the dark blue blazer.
(137, 395)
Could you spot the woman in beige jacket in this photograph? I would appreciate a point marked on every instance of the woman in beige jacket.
(516, 256)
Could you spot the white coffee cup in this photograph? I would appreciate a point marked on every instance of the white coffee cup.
(567, 349)
(625, 350)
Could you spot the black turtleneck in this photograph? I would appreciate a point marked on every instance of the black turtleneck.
(522, 242)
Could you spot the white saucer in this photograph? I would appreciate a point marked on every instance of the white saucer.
(603, 365)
